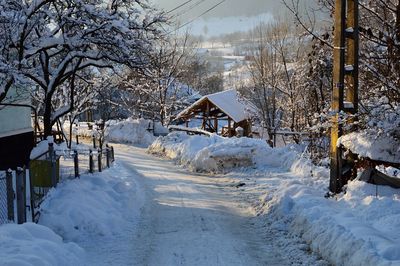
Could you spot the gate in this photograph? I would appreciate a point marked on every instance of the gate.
(6, 198)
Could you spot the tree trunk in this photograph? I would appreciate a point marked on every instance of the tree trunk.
(47, 123)
(71, 121)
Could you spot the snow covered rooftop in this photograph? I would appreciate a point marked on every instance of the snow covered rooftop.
(227, 101)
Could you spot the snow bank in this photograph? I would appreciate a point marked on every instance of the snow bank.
(134, 131)
(33, 244)
(356, 228)
(82, 212)
(218, 154)
(369, 144)
(91, 206)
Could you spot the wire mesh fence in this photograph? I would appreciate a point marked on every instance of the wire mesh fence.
(64, 165)
(3, 198)
(6, 198)
(20, 188)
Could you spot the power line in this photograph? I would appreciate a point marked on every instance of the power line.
(189, 8)
(202, 14)
(181, 5)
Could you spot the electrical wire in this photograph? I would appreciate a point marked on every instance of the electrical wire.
(202, 14)
(189, 8)
(181, 5)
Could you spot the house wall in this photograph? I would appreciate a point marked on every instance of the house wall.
(16, 132)
(15, 150)
(15, 120)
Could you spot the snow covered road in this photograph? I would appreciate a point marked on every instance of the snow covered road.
(188, 219)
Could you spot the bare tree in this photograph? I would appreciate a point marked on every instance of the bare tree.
(158, 89)
(52, 41)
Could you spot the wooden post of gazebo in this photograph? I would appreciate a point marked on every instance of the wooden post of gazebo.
(229, 127)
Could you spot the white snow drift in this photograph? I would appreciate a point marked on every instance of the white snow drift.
(84, 210)
(33, 244)
(134, 131)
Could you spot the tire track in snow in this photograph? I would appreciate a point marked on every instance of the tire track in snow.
(189, 219)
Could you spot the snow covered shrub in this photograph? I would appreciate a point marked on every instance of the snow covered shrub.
(134, 131)
(218, 154)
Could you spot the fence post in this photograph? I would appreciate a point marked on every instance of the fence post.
(52, 156)
(99, 159)
(32, 193)
(108, 156)
(112, 153)
(76, 164)
(24, 184)
(10, 195)
(94, 141)
(90, 161)
(20, 188)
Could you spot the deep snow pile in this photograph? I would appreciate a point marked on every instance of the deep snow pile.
(91, 206)
(368, 144)
(215, 153)
(134, 131)
(33, 244)
(356, 228)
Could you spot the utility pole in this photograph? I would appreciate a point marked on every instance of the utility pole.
(345, 84)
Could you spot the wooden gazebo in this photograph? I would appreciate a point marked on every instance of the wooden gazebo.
(217, 109)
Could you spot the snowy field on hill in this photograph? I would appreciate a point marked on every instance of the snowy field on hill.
(355, 228)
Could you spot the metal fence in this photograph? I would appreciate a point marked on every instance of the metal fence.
(13, 196)
(45, 172)
(62, 165)
(6, 198)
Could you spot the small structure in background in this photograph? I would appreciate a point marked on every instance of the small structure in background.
(220, 113)
(16, 131)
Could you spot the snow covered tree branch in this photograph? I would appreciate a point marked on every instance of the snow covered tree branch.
(48, 41)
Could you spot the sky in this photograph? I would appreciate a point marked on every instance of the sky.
(230, 16)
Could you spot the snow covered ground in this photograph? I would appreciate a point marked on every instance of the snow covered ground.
(243, 203)
(356, 228)
(195, 219)
(146, 211)
(75, 217)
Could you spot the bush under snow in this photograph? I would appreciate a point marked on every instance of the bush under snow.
(134, 131)
(217, 154)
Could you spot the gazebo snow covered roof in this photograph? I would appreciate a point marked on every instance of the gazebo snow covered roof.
(219, 106)
(226, 101)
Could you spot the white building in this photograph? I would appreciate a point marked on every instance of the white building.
(16, 132)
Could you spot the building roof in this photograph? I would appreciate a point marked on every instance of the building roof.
(226, 101)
